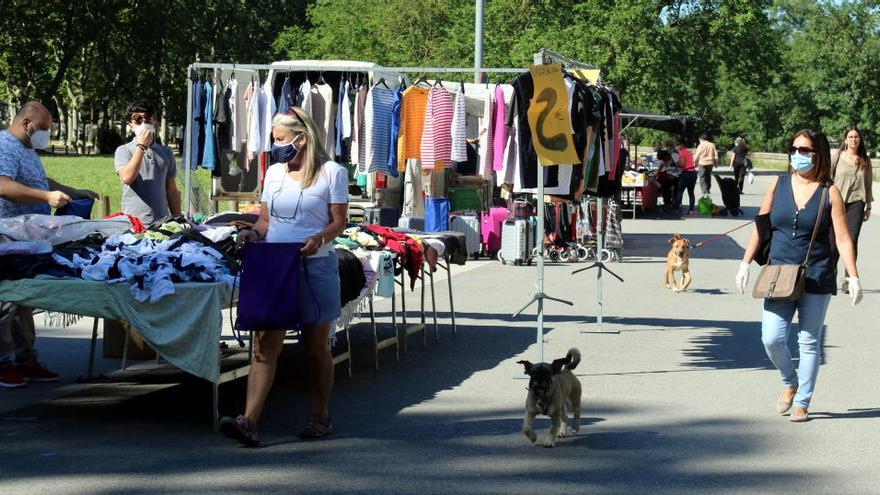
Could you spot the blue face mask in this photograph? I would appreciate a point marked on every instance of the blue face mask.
(283, 153)
(801, 163)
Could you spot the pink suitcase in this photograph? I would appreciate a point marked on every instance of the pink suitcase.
(491, 229)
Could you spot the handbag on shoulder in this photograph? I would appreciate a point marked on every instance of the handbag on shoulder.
(787, 282)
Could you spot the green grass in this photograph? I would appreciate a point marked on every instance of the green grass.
(97, 173)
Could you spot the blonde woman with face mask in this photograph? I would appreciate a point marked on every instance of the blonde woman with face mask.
(305, 200)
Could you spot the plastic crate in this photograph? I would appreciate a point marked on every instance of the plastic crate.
(461, 199)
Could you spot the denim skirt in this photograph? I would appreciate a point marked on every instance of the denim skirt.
(319, 299)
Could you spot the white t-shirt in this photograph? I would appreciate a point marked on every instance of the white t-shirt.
(296, 213)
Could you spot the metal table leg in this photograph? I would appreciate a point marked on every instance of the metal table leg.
(375, 336)
(92, 349)
(434, 307)
(422, 318)
(448, 269)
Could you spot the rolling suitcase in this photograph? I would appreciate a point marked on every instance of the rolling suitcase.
(490, 229)
(520, 209)
(385, 216)
(469, 225)
(517, 241)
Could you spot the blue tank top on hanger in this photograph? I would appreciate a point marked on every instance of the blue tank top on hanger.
(792, 230)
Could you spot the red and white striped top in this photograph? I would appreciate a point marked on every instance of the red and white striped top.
(436, 145)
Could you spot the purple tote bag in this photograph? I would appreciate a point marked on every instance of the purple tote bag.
(269, 285)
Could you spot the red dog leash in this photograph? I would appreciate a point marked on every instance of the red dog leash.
(719, 236)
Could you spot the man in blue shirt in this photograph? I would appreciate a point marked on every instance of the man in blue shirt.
(24, 188)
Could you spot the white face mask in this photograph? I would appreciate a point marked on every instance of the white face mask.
(141, 128)
(40, 139)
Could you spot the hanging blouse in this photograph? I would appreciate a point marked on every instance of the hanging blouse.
(305, 90)
(436, 146)
(377, 116)
(499, 131)
(322, 114)
(198, 135)
(343, 121)
(359, 137)
(209, 153)
(395, 131)
(234, 116)
(251, 97)
(459, 130)
(412, 124)
(267, 111)
(486, 137)
(288, 97)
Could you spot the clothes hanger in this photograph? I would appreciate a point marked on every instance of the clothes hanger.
(462, 87)
(422, 80)
(383, 83)
(321, 78)
(439, 83)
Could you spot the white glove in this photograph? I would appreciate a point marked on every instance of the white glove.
(855, 290)
(742, 277)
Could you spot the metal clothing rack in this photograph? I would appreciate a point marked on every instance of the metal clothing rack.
(543, 57)
(318, 66)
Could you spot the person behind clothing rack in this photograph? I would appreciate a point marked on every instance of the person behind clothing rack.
(793, 202)
(687, 180)
(25, 189)
(738, 161)
(706, 157)
(851, 173)
(667, 174)
(147, 170)
(305, 200)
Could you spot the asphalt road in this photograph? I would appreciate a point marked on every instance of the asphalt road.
(680, 401)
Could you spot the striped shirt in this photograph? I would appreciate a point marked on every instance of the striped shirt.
(459, 130)
(377, 116)
(412, 123)
(437, 135)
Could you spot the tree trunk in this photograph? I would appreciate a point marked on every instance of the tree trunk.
(62, 120)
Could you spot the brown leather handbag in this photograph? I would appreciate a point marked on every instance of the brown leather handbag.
(787, 282)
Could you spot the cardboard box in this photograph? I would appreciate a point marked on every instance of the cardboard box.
(114, 340)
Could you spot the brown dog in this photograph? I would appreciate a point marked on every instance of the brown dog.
(677, 260)
(552, 386)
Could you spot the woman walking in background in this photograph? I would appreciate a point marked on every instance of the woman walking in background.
(851, 173)
(738, 162)
(794, 203)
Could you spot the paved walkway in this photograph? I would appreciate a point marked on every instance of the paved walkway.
(680, 401)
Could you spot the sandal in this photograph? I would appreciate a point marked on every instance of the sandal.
(316, 428)
(241, 429)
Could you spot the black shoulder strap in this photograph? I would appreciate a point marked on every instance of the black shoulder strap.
(816, 227)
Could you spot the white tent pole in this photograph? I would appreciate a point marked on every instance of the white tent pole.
(478, 41)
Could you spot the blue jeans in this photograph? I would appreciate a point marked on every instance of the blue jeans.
(686, 181)
(776, 321)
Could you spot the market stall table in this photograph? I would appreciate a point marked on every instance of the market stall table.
(183, 328)
(643, 196)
